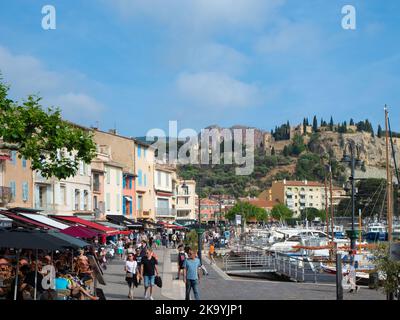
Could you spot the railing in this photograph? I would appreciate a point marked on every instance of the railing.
(165, 212)
(294, 268)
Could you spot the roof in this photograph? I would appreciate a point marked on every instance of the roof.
(45, 220)
(292, 183)
(18, 218)
(261, 203)
(90, 224)
(209, 202)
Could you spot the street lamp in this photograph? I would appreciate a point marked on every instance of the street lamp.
(354, 160)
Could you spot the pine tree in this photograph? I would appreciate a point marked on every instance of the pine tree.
(379, 134)
(331, 124)
(315, 124)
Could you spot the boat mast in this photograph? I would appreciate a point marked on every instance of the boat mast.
(326, 207)
(331, 199)
(388, 176)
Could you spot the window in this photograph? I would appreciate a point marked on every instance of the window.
(108, 202)
(167, 176)
(140, 176)
(13, 189)
(25, 191)
(186, 200)
(96, 182)
(62, 194)
(139, 151)
(95, 203)
(86, 200)
(145, 180)
(108, 175)
(117, 175)
(77, 199)
(23, 162)
(159, 178)
(13, 157)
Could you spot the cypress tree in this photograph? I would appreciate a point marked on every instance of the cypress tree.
(331, 124)
(315, 124)
(379, 134)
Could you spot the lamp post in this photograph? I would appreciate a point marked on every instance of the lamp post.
(353, 161)
(199, 230)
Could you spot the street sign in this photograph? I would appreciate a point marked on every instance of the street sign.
(238, 219)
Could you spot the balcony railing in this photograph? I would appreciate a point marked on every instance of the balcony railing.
(165, 212)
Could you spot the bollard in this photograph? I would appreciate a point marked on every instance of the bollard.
(339, 275)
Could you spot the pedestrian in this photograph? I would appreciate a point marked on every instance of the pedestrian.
(181, 260)
(130, 277)
(138, 259)
(211, 252)
(173, 237)
(191, 275)
(120, 248)
(148, 272)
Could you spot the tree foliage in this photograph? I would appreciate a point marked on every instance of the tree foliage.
(248, 211)
(54, 146)
(281, 212)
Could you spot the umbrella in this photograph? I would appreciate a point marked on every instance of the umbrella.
(80, 232)
(77, 243)
(27, 240)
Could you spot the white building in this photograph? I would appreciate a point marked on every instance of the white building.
(113, 188)
(164, 186)
(186, 200)
(72, 195)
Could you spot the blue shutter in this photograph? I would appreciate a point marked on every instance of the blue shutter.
(123, 206)
(13, 157)
(124, 182)
(130, 207)
(24, 162)
(130, 183)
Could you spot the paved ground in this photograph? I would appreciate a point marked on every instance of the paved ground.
(218, 286)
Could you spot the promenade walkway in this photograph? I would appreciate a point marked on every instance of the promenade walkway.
(219, 286)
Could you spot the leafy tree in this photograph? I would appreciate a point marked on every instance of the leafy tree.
(54, 146)
(312, 213)
(191, 240)
(298, 145)
(248, 211)
(388, 267)
(281, 212)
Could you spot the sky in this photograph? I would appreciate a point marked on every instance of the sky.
(135, 65)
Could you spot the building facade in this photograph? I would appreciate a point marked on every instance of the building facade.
(164, 187)
(298, 195)
(144, 186)
(186, 200)
(16, 181)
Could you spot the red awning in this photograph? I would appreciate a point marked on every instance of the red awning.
(93, 225)
(4, 157)
(26, 220)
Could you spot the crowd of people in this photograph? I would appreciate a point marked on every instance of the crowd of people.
(56, 276)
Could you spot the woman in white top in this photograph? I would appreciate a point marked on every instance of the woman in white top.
(130, 277)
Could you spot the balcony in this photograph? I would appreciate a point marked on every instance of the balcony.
(302, 193)
(5, 195)
(302, 200)
(289, 193)
(165, 212)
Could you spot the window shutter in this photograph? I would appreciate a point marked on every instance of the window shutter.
(82, 199)
(37, 198)
(130, 183)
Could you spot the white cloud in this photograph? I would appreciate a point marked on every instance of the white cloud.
(201, 14)
(290, 37)
(78, 104)
(28, 75)
(207, 57)
(217, 90)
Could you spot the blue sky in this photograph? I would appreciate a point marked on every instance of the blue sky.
(136, 64)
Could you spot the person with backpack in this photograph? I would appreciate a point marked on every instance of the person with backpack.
(181, 260)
